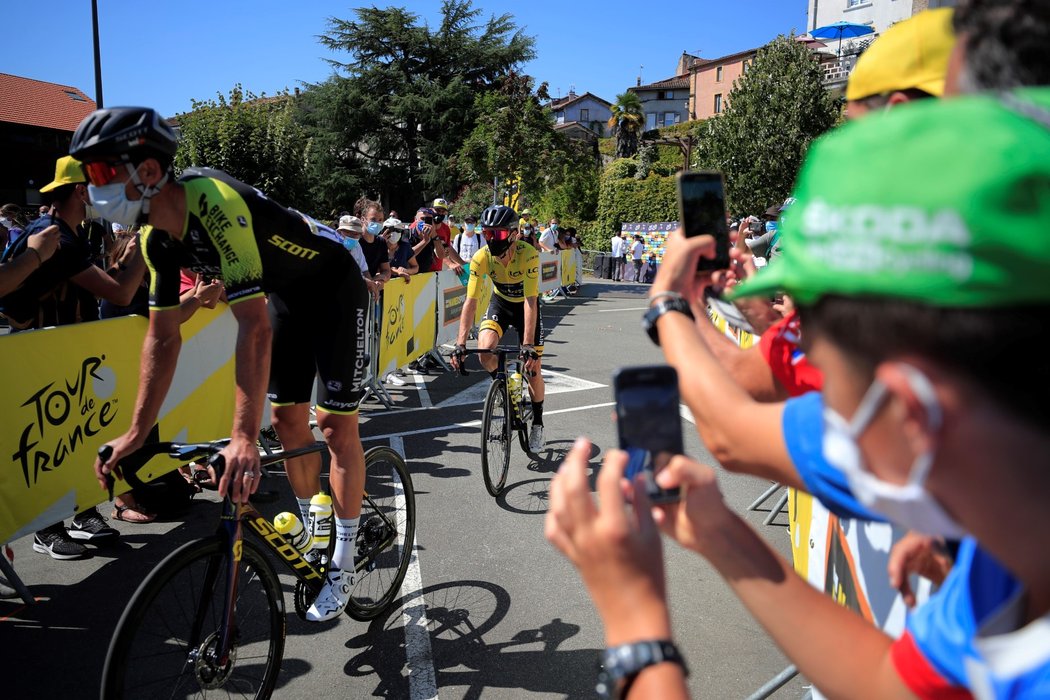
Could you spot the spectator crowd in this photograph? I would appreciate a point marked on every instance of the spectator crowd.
(894, 295)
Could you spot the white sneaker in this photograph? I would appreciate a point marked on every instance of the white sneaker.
(395, 380)
(536, 441)
(333, 597)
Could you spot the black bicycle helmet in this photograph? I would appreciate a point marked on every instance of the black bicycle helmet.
(499, 216)
(124, 132)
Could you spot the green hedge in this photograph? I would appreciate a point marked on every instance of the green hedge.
(624, 200)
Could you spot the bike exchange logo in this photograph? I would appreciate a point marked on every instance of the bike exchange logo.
(64, 414)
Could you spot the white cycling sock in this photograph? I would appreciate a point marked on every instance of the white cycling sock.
(345, 543)
(304, 510)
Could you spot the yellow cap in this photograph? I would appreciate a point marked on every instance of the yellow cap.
(68, 171)
(910, 54)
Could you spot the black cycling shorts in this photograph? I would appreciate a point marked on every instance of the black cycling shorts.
(320, 331)
(503, 314)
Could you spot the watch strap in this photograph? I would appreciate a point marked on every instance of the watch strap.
(658, 309)
(624, 662)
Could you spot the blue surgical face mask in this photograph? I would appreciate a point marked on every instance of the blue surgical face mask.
(771, 227)
(374, 228)
(112, 203)
(909, 504)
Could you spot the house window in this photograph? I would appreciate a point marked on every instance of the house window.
(559, 117)
(747, 64)
(855, 3)
(650, 121)
(718, 103)
(667, 95)
(669, 118)
(718, 74)
(74, 96)
(585, 115)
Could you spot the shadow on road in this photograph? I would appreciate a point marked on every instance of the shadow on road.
(459, 616)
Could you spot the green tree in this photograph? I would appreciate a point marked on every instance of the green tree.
(255, 139)
(775, 110)
(628, 122)
(514, 138)
(573, 193)
(399, 109)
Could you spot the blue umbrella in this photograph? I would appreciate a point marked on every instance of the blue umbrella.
(840, 31)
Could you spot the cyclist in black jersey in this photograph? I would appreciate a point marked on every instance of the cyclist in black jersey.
(312, 325)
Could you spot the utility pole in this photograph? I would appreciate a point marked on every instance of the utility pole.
(98, 58)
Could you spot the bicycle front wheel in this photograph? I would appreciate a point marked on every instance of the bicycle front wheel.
(386, 534)
(495, 438)
(167, 641)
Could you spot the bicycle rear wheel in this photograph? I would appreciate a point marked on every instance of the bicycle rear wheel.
(165, 642)
(385, 535)
(495, 438)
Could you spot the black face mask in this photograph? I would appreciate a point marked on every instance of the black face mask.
(498, 248)
(438, 218)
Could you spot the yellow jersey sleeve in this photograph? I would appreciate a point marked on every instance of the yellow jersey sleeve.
(479, 267)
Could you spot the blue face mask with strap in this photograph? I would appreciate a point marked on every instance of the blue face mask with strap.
(374, 228)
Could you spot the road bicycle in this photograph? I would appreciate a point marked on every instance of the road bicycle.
(508, 409)
(210, 618)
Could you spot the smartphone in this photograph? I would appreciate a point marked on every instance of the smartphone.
(702, 210)
(648, 423)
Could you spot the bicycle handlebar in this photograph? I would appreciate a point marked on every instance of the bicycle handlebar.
(177, 450)
(498, 350)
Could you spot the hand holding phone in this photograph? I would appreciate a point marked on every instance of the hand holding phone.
(648, 423)
(702, 210)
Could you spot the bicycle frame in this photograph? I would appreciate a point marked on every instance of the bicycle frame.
(231, 530)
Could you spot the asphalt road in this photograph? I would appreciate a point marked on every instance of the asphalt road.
(505, 615)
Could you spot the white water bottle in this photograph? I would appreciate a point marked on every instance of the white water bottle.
(289, 525)
(321, 520)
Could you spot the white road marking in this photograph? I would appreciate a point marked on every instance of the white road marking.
(475, 423)
(424, 395)
(422, 680)
(633, 308)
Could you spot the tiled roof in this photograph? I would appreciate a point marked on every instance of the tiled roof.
(721, 60)
(563, 102)
(677, 82)
(47, 105)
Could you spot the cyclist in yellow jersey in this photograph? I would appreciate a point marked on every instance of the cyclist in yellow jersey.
(514, 267)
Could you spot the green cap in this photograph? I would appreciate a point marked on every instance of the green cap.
(945, 202)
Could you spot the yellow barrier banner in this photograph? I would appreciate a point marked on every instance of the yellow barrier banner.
(568, 267)
(409, 324)
(550, 272)
(69, 390)
(451, 295)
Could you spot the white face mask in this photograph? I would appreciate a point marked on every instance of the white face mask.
(112, 203)
(393, 236)
(909, 504)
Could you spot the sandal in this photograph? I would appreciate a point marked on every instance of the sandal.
(132, 514)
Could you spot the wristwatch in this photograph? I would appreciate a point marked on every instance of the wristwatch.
(620, 665)
(663, 304)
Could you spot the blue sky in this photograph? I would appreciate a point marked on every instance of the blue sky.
(164, 54)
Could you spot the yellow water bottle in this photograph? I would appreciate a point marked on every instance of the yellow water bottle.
(289, 525)
(514, 384)
(321, 520)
